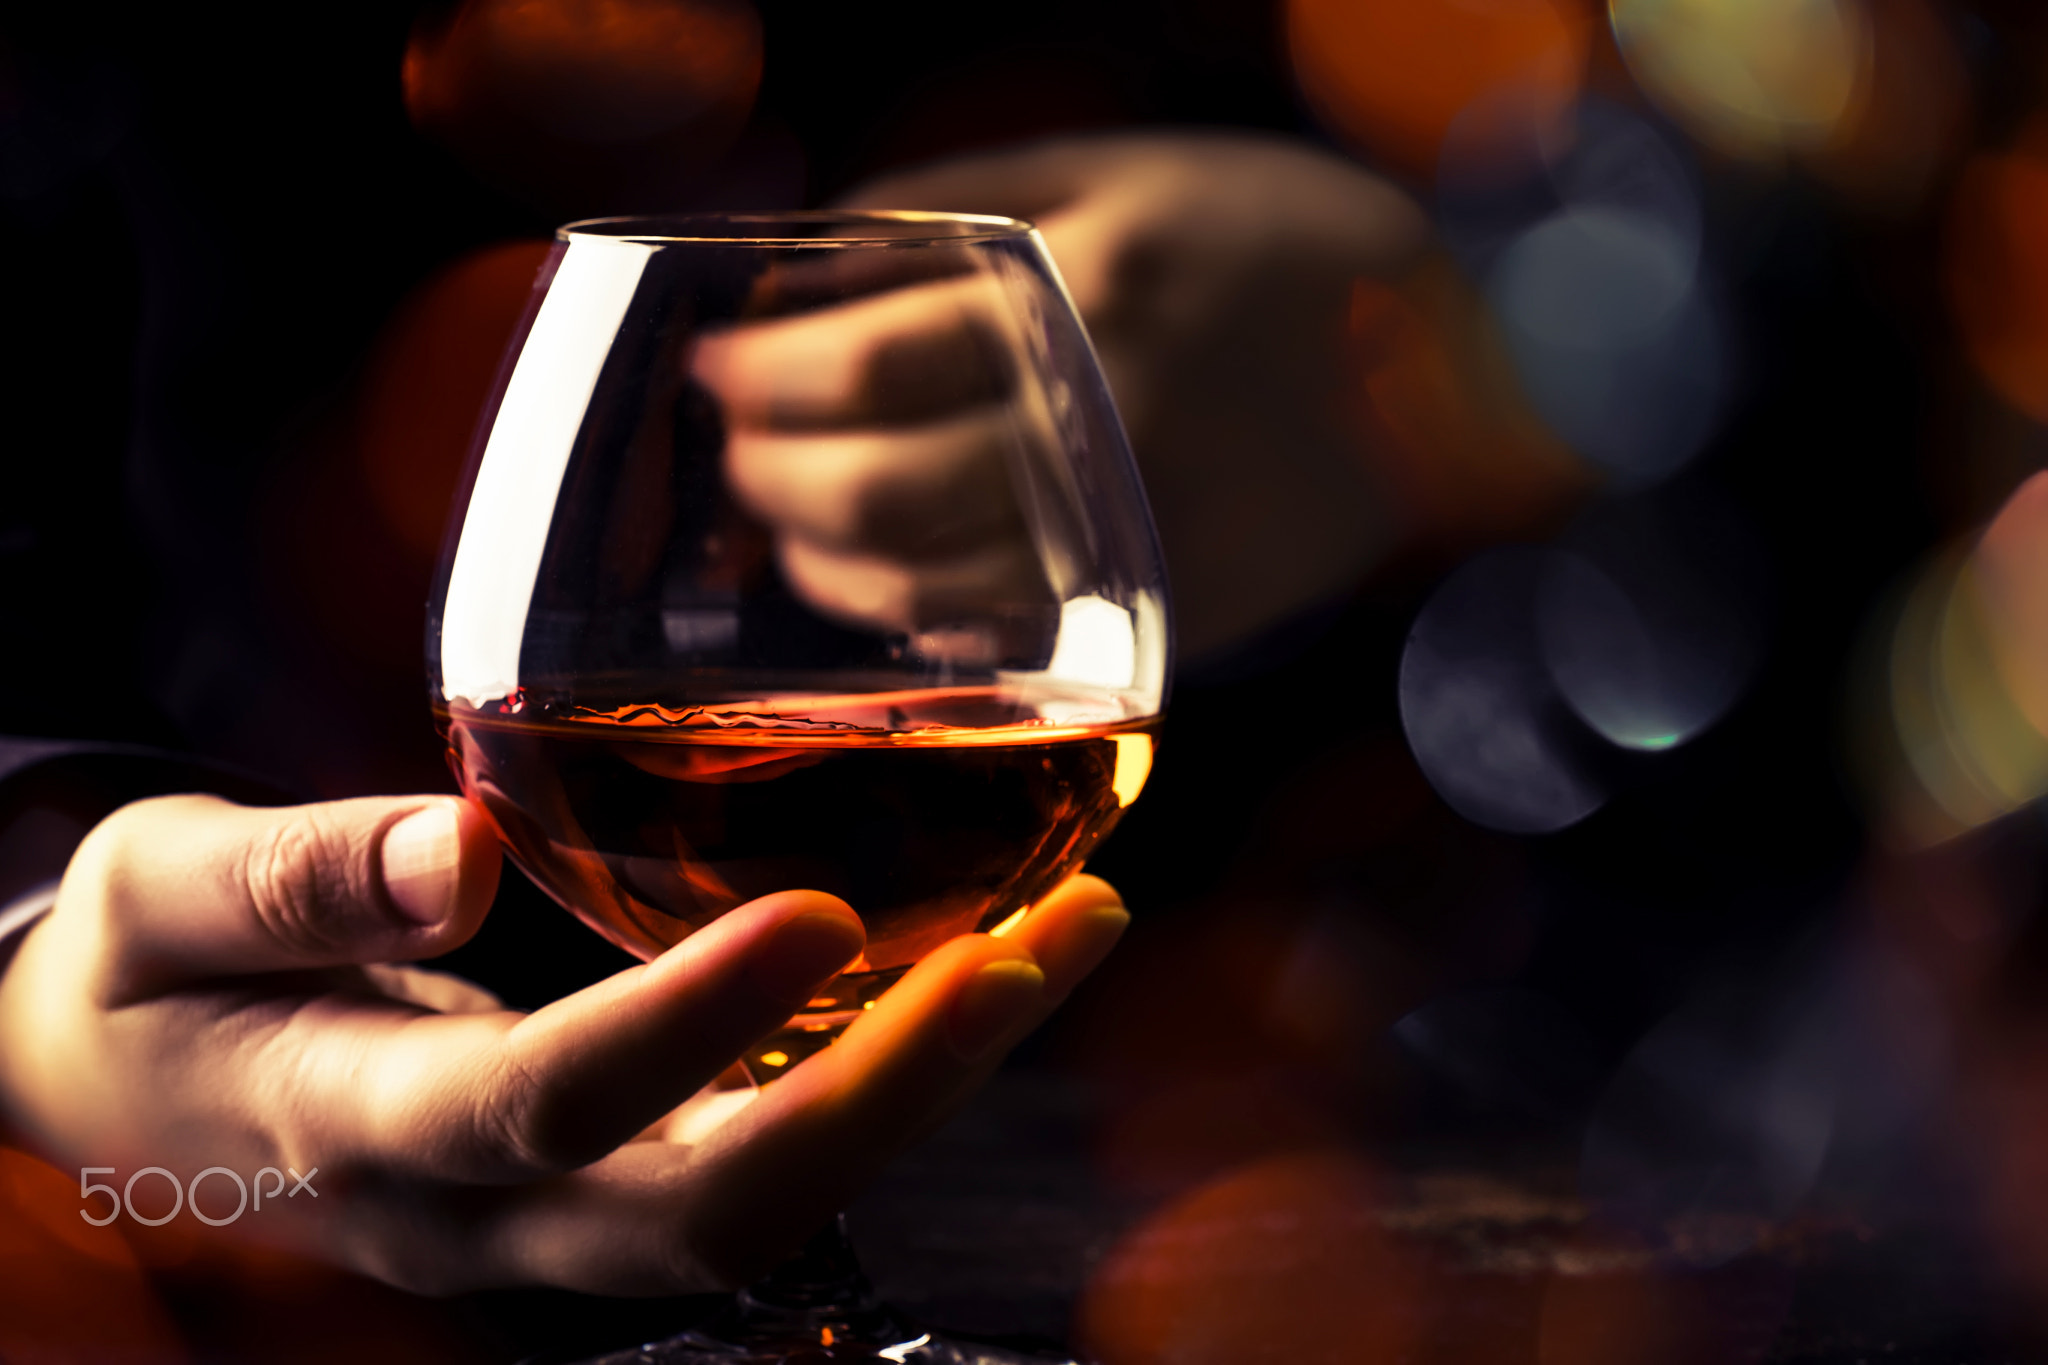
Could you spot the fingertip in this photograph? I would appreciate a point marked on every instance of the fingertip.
(1095, 934)
(815, 903)
(421, 862)
(483, 862)
(782, 907)
(818, 937)
(440, 863)
(1085, 889)
(999, 998)
(1072, 930)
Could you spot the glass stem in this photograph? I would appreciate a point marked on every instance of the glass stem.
(819, 1297)
(824, 1279)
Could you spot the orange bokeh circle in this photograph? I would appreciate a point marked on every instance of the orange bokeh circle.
(1393, 77)
(1996, 267)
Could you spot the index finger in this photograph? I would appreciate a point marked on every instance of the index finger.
(907, 355)
(502, 1096)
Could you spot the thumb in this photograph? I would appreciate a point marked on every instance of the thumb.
(194, 886)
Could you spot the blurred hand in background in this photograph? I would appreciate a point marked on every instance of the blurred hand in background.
(876, 437)
(1215, 274)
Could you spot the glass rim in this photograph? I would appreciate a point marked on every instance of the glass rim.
(658, 229)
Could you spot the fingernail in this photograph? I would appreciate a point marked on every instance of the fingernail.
(995, 1000)
(423, 863)
(804, 952)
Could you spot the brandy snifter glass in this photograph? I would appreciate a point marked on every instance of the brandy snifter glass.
(801, 550)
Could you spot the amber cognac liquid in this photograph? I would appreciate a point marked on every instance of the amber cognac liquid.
(933, 813)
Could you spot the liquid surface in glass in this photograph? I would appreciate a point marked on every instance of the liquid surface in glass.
(933, 812)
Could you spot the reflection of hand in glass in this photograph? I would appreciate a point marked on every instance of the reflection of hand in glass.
(1214, 273)
(876, 437)
(213, 989)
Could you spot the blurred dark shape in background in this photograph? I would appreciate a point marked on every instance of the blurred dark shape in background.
(1715, 1127)
(586, 106)
(429, 375)
(1466, 459)
(1507, 1056)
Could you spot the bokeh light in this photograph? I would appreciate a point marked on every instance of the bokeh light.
(1753, 78)
(1638, 628)
(1651, 618)
(1481, 714)
(1452, 434)
(428, 379)
(1996, 266)
(2012, 576)
(1282, 1260)
(1587, 238)
(1620, 348)
(1714, 1128)
(1393, 77)
(1639, 1311)
(1491, 188)
(69, 1290)
(586, 105)
(1899, 136)
(1966, 677)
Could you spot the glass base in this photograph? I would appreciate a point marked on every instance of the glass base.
(815, 1310)
(921, 1348)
